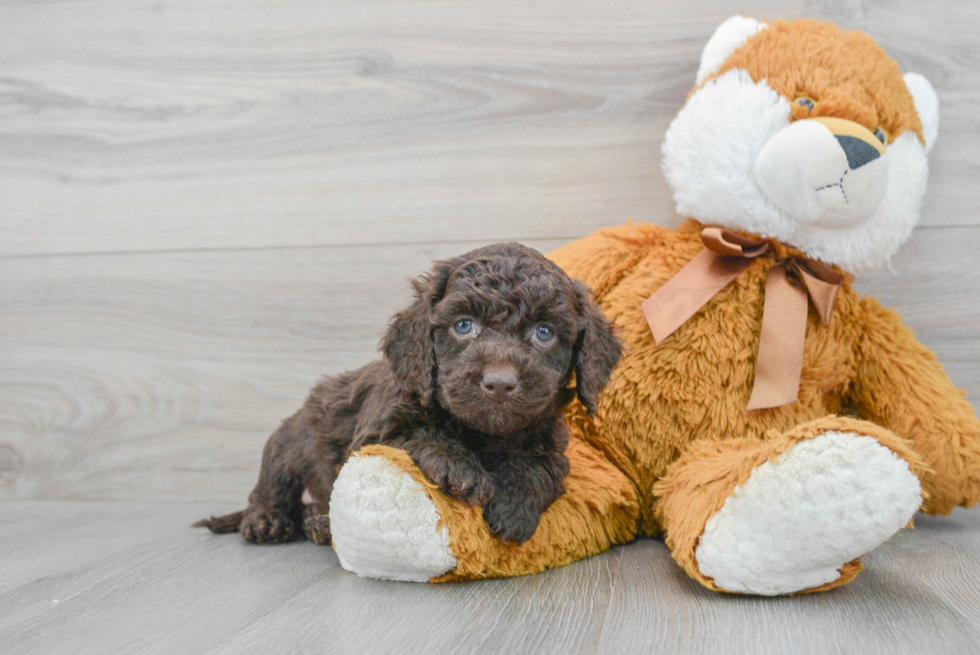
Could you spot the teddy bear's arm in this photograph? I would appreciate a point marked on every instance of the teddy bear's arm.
(390, 521)
(899, 384)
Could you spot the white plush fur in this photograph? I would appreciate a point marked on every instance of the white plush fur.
(710, 152)
(796, 521)
(729, 37)
(876, 239)
(804, 171)
(710, 149)
(926, 105)
(384, 525)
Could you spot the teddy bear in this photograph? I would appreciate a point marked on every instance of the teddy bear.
(768, 422)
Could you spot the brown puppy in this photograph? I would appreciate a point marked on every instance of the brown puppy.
(472, 386)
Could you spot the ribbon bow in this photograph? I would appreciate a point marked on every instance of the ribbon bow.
(788, 285)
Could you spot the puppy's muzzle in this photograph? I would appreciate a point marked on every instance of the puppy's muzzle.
(499, 382)
(824, 171)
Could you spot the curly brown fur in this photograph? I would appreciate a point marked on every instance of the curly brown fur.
(473, 382)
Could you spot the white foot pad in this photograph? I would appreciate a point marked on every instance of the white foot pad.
(796, 521)
(384, 525)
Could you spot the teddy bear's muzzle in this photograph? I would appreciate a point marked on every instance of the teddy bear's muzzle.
(824, 171)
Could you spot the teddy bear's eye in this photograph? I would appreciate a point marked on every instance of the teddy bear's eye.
(880, 133)
(804, 101)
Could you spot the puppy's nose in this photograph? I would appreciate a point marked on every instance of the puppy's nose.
(499, 382)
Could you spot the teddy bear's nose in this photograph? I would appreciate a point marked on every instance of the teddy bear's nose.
(499, 382)
(860, 146)
(858, 152)
(825, 171)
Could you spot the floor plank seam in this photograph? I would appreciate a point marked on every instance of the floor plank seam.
(354, 244)
(288, 247)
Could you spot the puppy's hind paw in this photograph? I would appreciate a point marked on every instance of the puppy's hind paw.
(316, 525)
(266, 525)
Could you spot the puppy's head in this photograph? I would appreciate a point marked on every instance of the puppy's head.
(494, 337)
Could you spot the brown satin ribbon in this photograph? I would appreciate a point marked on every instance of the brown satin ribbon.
(788, 285)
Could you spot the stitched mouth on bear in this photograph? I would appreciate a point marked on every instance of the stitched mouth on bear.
(823, 172)
(839, 184)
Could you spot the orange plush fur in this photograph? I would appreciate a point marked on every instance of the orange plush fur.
(847, 73)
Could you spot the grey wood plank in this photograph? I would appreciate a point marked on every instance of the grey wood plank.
(165, 596)
(124, 376)
(943, 562)
(136, 586)
(560, 611)
(934, 285)
(189, 591)
(179, 125)
(897, 605)
(159, 376)
(41, 541)
(52, 551)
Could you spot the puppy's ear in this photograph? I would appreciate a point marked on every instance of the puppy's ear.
(597, 350)
(408, 344)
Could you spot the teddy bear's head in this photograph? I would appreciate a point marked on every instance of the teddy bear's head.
(803, 132)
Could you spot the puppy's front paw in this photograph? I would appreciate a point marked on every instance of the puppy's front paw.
(460, 480)
(266, 525)
(511, 521)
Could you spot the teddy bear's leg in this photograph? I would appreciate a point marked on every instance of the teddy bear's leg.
(789, 513)
(388, 521)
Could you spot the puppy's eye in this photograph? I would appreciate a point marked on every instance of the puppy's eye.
(544, 334)
(806, 102)
(464, 327)
(880, 133)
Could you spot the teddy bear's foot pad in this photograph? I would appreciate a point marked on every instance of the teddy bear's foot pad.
(385, 525)
(797, 520)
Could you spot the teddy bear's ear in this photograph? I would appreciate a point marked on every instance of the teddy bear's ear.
(729, 37)
(926, 104)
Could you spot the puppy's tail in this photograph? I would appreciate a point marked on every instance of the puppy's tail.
(221, 524)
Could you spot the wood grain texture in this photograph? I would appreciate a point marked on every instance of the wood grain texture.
(181, 183)
(206, 205)
(130, 126)
(159, 376)
(132, 577)
(889, 608)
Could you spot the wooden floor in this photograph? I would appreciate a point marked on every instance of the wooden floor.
(104, 577)
(205, 205)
